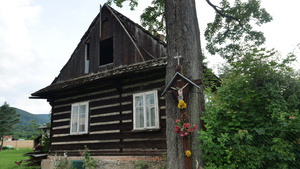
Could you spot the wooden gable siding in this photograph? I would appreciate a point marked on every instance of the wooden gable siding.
(131, 44)
(111, 117)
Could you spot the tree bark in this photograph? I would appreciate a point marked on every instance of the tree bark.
(183, 39)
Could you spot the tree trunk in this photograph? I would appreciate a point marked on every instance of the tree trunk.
(183, 39)
(1, 146)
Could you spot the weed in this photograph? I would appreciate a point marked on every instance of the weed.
(140, 165)
(61, 162)
(88, 161)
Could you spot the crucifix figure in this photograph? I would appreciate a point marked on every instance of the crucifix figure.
(179, 91)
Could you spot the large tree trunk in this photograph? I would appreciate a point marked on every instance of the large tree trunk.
(183, 38)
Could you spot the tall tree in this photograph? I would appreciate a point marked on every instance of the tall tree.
(8, 119)
(183, 39)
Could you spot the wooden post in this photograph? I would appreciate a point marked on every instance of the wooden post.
(186, 142)
(187, 146)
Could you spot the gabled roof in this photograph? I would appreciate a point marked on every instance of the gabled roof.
(122, 21)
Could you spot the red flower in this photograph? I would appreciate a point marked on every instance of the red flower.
(186, 125)
(177, 129)
(184, 129)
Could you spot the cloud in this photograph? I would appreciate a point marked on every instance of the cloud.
(18, 58)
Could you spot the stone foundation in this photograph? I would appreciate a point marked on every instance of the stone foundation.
(117, 162)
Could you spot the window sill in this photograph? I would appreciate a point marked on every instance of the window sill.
(144, 130)
(77, 134)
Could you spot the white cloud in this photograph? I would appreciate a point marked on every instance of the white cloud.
(18, 58)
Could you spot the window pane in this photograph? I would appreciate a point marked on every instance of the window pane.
(150, 110)
(150, 99)
(139, 117)
(74, 119)
(82, 112)
(138, 101)
(152, 117)
(139, 112)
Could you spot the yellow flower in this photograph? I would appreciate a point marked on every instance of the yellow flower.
(181, 104)
(188, 153)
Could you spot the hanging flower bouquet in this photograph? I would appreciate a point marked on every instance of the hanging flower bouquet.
(183, 128)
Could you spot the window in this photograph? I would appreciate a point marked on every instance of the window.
(106, 51)
(87, 58)
(79, 118)
(145, 111)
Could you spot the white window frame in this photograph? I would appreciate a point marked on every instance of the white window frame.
(86, 115)
(156, 111)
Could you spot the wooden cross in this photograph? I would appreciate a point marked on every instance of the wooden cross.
(178, 59)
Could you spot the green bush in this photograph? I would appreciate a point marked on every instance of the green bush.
(8, 148)
(252, 121)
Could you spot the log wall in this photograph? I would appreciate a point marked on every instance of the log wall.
(110, 117)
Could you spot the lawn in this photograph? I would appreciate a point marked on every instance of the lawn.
(9, 157)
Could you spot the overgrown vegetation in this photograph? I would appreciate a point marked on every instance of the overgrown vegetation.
(61, 162)
(88, 161)
(252, 121)
(45, 140)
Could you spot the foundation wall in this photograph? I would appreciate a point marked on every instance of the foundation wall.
(116, 162)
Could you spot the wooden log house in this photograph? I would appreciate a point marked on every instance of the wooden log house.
(108, 94)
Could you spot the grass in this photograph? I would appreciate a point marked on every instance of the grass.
(9, 157)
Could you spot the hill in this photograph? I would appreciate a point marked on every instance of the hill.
(26, 117)
(27, 128)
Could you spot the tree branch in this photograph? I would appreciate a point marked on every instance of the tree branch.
(221, 13)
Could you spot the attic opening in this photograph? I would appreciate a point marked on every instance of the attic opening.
(106, 51)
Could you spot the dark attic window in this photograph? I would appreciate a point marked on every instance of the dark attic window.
(106, 51)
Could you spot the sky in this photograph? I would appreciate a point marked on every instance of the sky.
(37, 37)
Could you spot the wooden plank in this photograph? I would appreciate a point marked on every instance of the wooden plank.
(90, 137)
